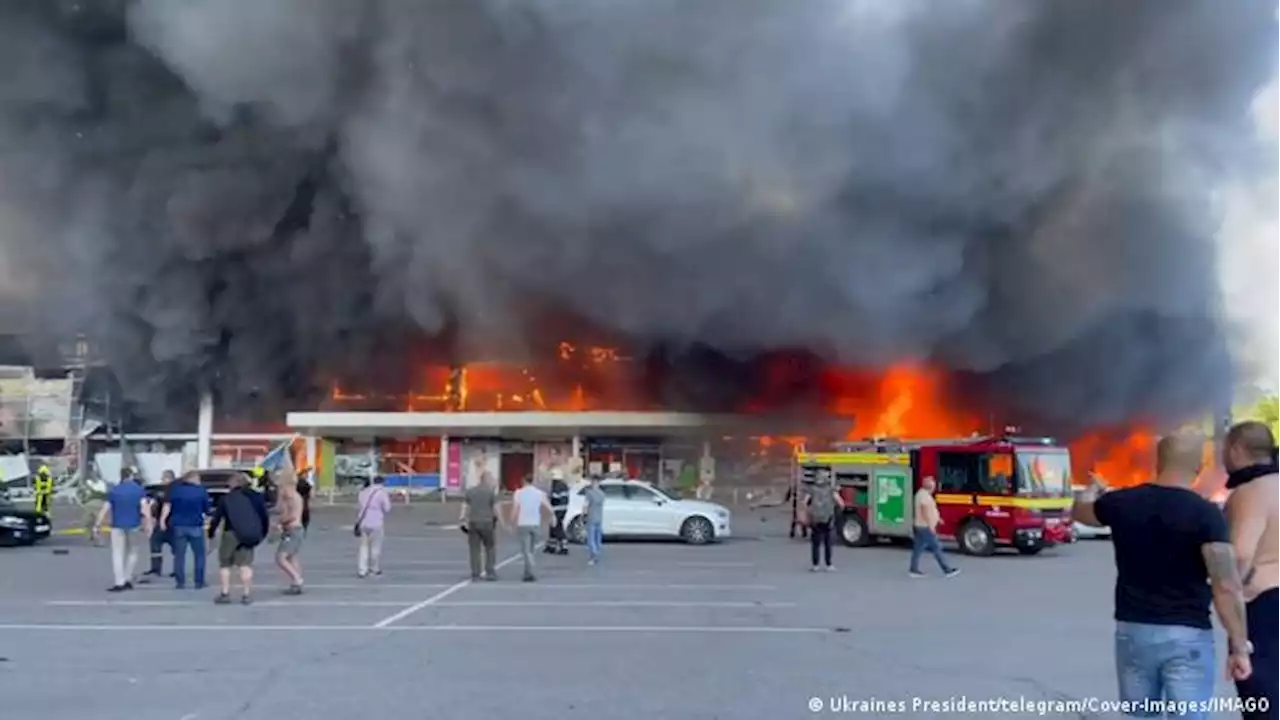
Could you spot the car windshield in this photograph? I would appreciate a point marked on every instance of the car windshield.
(1044, 473)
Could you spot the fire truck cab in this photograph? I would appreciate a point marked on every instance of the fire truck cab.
(991, 492)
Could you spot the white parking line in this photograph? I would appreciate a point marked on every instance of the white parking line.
(617, 604)
(371, 583)
(202, 603)
(714, 564)
(621, 586)
(672, 629)
(388, 620)
(343, 562)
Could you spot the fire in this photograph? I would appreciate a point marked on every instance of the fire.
(908, 401)
(510, 387)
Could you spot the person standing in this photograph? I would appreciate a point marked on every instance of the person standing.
(127, 506)
(594, 497)
(43, 490)
(559, 499)
(183, 518)
(160, 537)
(374, 503)
(1173, 559)
(820, 507)
(924, 531)
(1249, 457)
(528, 505)
(289, 509)
(242, 517)
(479, 518)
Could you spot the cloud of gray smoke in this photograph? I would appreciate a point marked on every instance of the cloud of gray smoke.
(255, 190)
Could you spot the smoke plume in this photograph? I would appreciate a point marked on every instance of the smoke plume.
(257, 193)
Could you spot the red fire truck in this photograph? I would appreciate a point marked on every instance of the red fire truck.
(991, 491)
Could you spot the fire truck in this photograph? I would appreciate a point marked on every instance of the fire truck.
(991, 491)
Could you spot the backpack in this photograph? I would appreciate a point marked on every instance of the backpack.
(243, 519)
(822, 507)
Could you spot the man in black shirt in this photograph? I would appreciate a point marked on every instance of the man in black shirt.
(160, 537)
(1173, 559)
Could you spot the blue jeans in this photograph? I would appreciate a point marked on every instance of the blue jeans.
(595, 539)
(184, 537)
(924, 540)
(1164, 662)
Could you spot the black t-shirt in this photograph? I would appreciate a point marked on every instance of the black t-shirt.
(1158, 532)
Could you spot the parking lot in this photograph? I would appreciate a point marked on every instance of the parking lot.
(736, 629)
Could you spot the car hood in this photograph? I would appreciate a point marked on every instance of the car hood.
(24, 513)
(700, 506)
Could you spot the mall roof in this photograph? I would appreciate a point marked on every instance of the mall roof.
(534, 425)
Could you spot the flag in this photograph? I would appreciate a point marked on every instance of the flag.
(279, 462)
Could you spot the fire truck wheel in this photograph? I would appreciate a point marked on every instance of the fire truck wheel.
(853, 531)
(577, 531)
(697, 531)
(976, 538)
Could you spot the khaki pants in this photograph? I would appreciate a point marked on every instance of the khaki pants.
(482, 539)
(125, 548)
(369, 556)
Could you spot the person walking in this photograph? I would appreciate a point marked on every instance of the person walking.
(924, 532)
(242, 517)
(127, 507)
(528, 507)
(479, 519)
(289, 509)
(160, 537)
(1249, 457)
(820, 507)
(374, 503)
(183, 518)
(595, 498)
(558, 544)
(1173, 559)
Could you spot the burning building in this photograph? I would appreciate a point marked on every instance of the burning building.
(775, 208)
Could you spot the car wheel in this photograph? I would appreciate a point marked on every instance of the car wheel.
(697, 531)
(976, 538)
(853, 531)
(577, 531)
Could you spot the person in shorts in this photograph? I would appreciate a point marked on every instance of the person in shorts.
(242, 518)
(289, 506)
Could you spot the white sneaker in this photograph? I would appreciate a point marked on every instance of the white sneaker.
(829, 568)
(915, 574)
(815, 568)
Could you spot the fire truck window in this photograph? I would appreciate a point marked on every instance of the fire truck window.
(956, 472)
(998, 478)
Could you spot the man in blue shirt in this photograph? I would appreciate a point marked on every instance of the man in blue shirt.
(183, 518)
(127, 504)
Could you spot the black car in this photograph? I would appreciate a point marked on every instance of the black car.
(22, 526)
(218, 481)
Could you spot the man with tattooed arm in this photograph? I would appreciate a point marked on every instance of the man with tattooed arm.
(1173, 559)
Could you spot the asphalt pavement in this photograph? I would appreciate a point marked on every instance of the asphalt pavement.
(738, 629)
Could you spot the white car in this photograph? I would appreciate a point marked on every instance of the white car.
(1080, 531)
(640, 510)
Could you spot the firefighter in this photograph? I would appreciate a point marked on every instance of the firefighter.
(559, 497)
(44, 490)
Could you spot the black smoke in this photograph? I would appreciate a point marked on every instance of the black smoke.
(257, 194)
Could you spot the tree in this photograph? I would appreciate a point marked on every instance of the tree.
(1266, 409)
